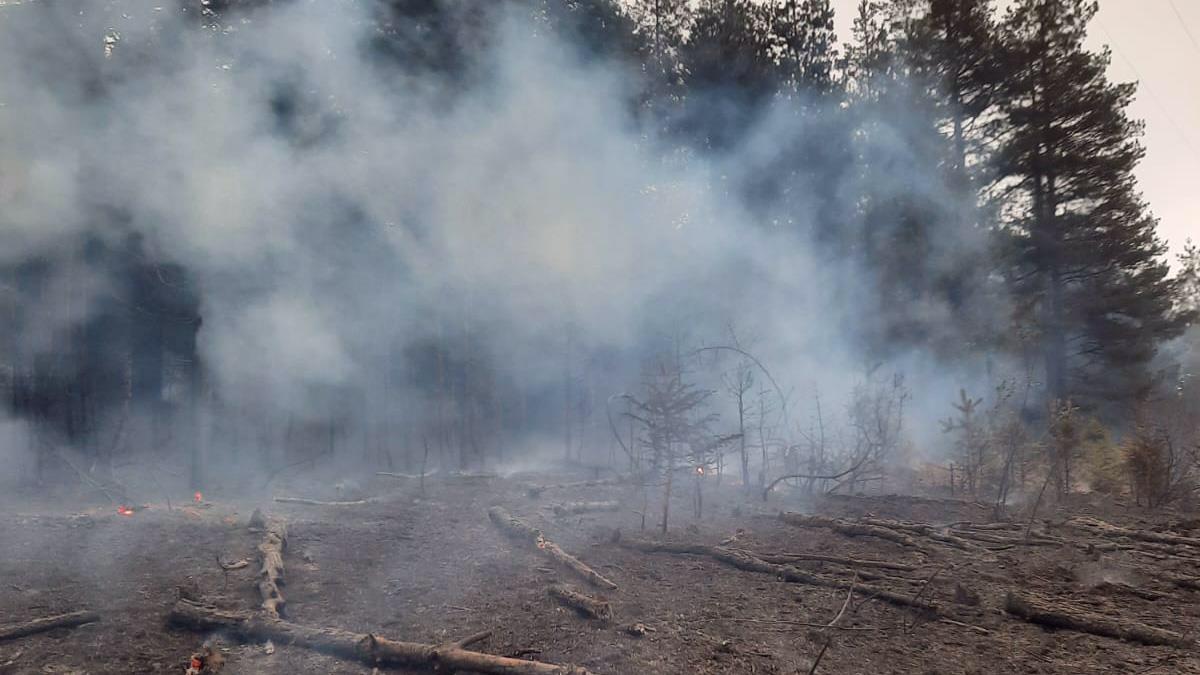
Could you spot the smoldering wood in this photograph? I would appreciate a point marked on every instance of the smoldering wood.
(746, 561)
(584, 604)
(1055, 615)
(848, 528)
(368, 648)
(270, 573)
(41, 625)
(519, 529)
(573, 508)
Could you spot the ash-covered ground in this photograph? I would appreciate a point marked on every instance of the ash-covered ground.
(433, 568)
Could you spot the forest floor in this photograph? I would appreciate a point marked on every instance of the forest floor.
(434, 568)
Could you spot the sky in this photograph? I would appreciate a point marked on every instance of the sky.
(1156, 43)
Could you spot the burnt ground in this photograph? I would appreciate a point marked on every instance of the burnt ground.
(433, 568)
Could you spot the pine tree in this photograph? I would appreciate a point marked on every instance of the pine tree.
(731, 70)
(807, 43)
(1087, 268)
(1189, 281)
(952, 47)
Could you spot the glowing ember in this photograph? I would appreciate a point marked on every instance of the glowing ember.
(124, 510)
(700, 470)
(199, 496)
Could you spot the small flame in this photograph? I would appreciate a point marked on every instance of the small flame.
(700, 470)
(124, 510)
(199, 496)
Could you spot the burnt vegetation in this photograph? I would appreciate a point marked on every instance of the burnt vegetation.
(673, 301)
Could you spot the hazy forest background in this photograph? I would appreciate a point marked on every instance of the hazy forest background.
(244, 238)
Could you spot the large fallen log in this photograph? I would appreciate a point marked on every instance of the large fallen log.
(1099, 527)
(519, 529)
(369, 648)
(789, 558)
(20, 630)
(573, 508)
(1054, 616)
(745, 561)
(270, 573)
(535, 491)
(924, 530)
(317, 502)
(588, 606)
(848, 528)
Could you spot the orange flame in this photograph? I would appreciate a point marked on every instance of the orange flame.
(199, 496)
(124, 510)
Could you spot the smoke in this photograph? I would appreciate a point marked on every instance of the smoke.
(338, 211)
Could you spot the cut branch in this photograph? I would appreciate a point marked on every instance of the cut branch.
(20, 630)
(369, 648)
(1053, 616)
(519, 529)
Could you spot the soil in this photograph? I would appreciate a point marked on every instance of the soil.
(432, 568)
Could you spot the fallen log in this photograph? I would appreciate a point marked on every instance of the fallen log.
(924, 530)
(572, 508)
(745, 561)
(406, 476)
(588, 606)
(787, 558)
(317, 502)
(1097, 526)
(1054, 616)
(519, 529)
(366, 648)
(71, 620)
(848, 528)
(536, 491)
(270, 574)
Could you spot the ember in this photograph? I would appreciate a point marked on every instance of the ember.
(199, 496)
(125, 510)
(700, 470)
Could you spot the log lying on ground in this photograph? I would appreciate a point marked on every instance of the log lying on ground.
(519, 529)
(1054, 616)
(369, 648)
(788, 558)
(923, 529)
(270, 574)
(746, 561)
(536, 491)
(1104, 529)
(571, 508)
(405, 476)
(588, 606)
(317, 502)
(20, 630)
(848, 528)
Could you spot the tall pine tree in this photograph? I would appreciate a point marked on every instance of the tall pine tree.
(1087, 269)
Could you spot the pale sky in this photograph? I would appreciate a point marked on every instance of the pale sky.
(1152, 45)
